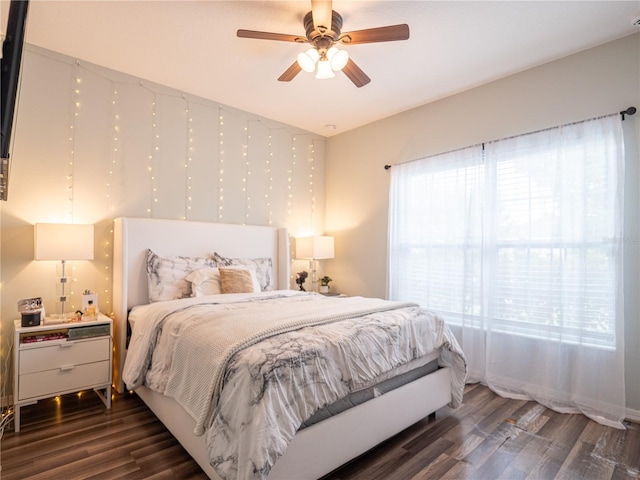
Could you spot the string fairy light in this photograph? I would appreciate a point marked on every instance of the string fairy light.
(106, 292)
(75, 95)
(267, 173)
(301, 178)
(312, 168)
(267, 195)
(151, 167)
(220, 163)
(247, 173)
(188, 160)
(290, 179)
(115, 139)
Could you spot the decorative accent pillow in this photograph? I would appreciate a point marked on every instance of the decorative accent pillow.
(238, 280)
(263, 268)
(167, 275)
(205, 281)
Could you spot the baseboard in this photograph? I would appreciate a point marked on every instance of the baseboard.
(633, 415)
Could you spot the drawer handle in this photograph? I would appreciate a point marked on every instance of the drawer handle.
(67, 345)
(66, 368)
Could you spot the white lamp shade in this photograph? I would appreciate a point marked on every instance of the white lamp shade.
(314, 248)
(324, 70)
(338, 58)
(307, 60)
(58, 241)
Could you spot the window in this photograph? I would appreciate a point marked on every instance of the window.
(518, 245)
(520, 231)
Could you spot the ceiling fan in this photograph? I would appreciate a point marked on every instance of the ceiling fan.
(323, 28)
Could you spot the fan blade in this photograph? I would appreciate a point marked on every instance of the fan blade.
(321, 11)
(290, 73)
(380, 34)
(271, 36)
(355, 74)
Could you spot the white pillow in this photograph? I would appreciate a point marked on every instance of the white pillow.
(205, 281)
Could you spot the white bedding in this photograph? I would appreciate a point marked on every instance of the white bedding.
(274, 385)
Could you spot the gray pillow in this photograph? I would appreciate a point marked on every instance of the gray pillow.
(167, 276)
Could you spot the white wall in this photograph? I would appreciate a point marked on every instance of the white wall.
(595, 82)
(93, 144)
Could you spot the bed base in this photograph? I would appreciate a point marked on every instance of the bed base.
(325, 446)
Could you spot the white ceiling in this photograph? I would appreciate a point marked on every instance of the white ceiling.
(192, 46)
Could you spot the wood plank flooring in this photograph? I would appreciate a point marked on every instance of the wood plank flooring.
(488, 437)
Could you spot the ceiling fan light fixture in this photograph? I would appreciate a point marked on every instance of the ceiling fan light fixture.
(324, 70)
(307, 60)
(338, 58)
(323, 31)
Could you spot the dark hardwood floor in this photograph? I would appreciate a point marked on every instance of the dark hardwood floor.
(488, 437)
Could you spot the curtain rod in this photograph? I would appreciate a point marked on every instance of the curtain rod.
(629, 111)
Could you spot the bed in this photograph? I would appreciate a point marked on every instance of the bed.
(319, 447)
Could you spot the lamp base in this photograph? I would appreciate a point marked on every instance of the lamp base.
(63, 318)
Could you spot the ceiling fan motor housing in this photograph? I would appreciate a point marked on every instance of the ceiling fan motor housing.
(323, 37)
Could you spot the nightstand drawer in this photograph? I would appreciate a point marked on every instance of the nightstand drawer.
(68, 378)
(64, 354)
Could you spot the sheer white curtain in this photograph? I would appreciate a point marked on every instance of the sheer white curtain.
(519, 246)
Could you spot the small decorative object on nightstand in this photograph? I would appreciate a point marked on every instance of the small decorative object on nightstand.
(300, 279)
(30, 309)
(324, 284)
(89, 304)
(58, 358)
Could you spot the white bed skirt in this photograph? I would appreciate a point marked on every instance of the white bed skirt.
(323, 447)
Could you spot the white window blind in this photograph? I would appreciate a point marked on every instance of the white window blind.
(438, 234)
(555, 266)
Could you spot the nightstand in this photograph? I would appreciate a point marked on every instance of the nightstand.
(58, 358)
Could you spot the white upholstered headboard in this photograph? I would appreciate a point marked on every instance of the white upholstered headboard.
(133, 236)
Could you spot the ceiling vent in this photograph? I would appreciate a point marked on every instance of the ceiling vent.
(636, 21)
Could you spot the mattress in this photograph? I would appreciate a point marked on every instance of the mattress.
(384, 386)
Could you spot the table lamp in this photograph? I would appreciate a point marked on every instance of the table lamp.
(62, 242)
(315, 248)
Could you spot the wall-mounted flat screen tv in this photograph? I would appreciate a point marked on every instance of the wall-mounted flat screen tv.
(9, 80)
